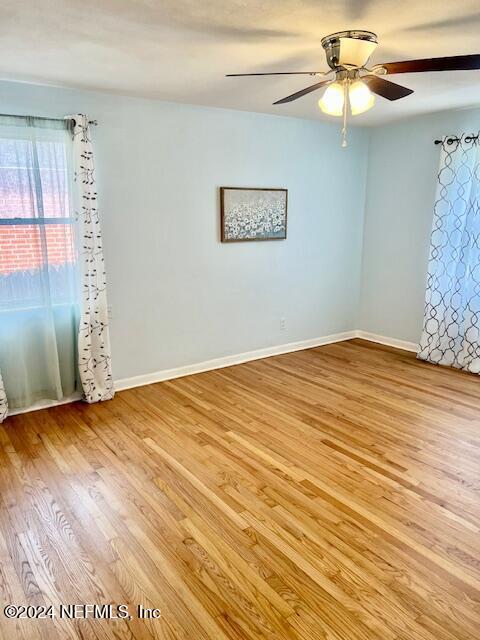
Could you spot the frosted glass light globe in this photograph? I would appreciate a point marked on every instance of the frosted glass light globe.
(332, 100)
(360, 97)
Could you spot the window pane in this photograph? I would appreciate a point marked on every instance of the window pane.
(17, 186)
(33, 186)
(53, 178)
(37, 264)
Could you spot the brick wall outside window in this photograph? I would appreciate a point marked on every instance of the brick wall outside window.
(21, 245)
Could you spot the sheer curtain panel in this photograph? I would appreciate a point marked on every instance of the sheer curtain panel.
(39, 285)
(451, 331)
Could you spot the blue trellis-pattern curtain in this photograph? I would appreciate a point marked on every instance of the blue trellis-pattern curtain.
(451, 329)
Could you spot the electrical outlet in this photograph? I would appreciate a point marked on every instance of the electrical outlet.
(283, 324)
(109, 311)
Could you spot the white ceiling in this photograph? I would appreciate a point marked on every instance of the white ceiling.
(180, 50)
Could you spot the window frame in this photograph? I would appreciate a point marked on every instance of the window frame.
(37, 221)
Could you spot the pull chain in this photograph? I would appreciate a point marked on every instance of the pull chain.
(345, 111)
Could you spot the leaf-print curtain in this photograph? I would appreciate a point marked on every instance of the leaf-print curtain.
(451, 330)
(94, 358)
(3, 401)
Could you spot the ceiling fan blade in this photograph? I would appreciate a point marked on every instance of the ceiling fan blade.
(385, 88)
(276, 73)
(452, 63)
(303, 92)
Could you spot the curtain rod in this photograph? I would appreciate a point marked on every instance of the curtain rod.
(452, 139)
(16, 115)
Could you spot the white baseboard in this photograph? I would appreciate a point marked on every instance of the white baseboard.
(228, 361)
(390, 342)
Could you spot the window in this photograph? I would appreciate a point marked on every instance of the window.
(38, 264)
(37, 250)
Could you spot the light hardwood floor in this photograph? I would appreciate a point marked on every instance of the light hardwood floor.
(326, 494)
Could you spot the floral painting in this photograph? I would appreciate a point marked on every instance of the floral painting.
(253, 214)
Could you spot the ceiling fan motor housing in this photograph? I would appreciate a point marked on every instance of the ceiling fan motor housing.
(349, 49)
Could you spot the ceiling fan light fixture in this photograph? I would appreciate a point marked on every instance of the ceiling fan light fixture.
(349, 48)
(333, 99)
(360, 97)
(355, 51)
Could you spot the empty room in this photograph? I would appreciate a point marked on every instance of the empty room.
(239, 320)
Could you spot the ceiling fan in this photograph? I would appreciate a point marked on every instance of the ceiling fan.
(353, 83)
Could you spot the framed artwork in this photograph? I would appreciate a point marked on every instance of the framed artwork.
(249, 213)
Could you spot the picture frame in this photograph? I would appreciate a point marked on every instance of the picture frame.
(253, 214)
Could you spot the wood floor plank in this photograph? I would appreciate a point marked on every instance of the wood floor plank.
(327, 494)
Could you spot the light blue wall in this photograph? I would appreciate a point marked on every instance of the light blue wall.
(184, 296)
(179, 296)
(402, 171)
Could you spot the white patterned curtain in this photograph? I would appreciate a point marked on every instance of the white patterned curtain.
(451, 330)
(3, 401)
(94, 357)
